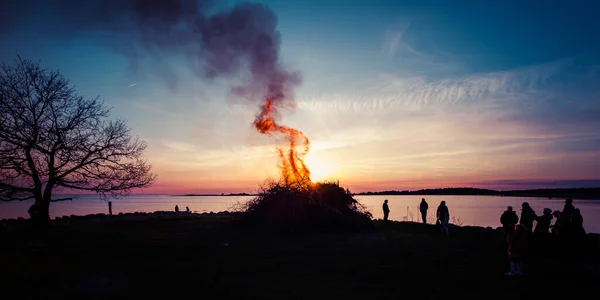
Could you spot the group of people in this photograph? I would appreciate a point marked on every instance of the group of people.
(568, 223)
(566, 231)
(442, 214)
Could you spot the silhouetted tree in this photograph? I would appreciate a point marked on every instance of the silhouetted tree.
(51, 137)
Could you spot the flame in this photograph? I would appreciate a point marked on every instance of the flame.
(293, 168)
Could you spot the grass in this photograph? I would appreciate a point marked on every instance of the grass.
(208, 256)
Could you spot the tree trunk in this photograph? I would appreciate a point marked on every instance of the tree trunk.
(39, 212)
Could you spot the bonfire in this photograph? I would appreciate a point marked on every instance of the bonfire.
(295, 203)
(296, 206)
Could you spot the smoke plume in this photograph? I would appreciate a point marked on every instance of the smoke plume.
(240, 42)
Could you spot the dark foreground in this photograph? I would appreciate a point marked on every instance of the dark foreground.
(203, 256)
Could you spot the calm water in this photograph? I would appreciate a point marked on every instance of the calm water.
(468, 210)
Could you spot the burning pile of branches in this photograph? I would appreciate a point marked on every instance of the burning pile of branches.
(306, 206)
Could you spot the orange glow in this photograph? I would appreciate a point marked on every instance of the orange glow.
(293, 168)
(319, 169)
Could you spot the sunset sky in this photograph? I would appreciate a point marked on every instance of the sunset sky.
(394, 95)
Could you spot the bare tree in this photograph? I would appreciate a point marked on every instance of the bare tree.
(51, 137)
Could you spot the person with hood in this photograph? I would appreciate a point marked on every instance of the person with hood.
(517, 249)
(386, 210)
(443, 216)
(509, 219)
(527, 216)
(542, 228)
(423, 207)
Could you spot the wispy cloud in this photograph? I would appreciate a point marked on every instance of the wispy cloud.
(393, 40)
(390, 91)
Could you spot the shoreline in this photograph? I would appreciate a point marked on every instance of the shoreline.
(171, 215)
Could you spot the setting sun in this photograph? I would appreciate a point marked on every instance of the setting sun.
(319, 169)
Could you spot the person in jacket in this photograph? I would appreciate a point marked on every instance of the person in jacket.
(423, 207)
(443, 216)
(577, 224)
(542, 228)
(509, 219)
(566, 218)
(527, 216)
(556, 228)
(517, 249)
(386, 210)
(568, 208)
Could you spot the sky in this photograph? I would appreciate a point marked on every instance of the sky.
(395, 95)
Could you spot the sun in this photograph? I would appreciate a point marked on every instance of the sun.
(319, 170)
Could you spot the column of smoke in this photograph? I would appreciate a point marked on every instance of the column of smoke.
(242, 40)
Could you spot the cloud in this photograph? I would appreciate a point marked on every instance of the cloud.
(536, 84)
(393, 40)
(533, 122)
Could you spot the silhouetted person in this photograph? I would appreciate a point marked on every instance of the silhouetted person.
(509, 219)
(386, 210)
(569, 208)
(542, 228)
(423, 207)
(187, 209)
(443, 216)
(527, 216)
(566, 217)
(517, 249)
(577, 224)
(556, 228)
(176, 208)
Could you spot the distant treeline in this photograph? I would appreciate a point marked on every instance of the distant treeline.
(222, 194)
(579, 193)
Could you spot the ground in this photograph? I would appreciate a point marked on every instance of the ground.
(203, 255)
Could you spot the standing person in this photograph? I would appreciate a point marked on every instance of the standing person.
(556, 228)
(569, 208)
(527, 216)
(517, 249)
(566, 217)
(176, 208)
(443, 216)
(423, 207)
(577, 224)
(508, 220)
(187, 209)
(542, 228)
(386, 210)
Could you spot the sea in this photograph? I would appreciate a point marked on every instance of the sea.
(464, 210)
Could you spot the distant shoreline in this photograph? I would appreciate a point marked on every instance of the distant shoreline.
(212, 195)
(578, 193)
